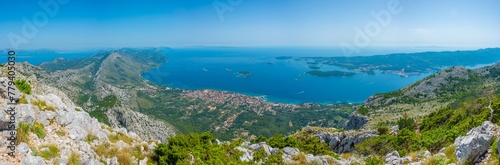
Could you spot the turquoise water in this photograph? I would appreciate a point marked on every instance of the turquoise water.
(278, 80)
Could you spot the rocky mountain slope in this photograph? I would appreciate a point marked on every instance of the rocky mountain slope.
(51, 129)
(446, 88)
(98, 85)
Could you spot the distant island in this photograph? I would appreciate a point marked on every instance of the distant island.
(284, 58)
(243, 74)
(334, 73)
(412, 63)
(314, 67)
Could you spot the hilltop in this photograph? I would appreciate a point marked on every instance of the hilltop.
(446, 88)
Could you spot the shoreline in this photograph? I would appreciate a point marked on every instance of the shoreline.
(266, 98)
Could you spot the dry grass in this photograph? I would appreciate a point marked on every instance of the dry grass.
(23, 131)
(413, 156)
(346, 155)
(450, 152)
(107, 150)
(51, 153)
(120, 136)
(299, 158)
(124, 157)
(312, 131)
(23, 100)
(395, 111)
(60, 132)
(42, 105)
(74, 159)
(90, 138)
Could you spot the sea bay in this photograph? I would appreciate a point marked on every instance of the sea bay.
(276, 80)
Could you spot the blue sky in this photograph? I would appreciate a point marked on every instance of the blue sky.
(81, 24)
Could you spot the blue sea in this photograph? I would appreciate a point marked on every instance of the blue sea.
(282, 81)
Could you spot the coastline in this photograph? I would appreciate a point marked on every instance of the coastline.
(264, 97)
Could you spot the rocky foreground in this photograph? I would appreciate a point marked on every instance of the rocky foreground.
(52, 130)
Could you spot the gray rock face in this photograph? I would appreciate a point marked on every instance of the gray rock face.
(5, 91)
(143, 161)
(142, 125)
(320, 160)
(25, 114)
(23, 149)
(393, 158)
(113, 161)
(31, 160)
(341, 142)
(247, 155)
(288, 152)
(249, 149)
(475, 143)
(355, 122)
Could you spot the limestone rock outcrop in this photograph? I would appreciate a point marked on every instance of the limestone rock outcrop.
(475, 143)
(355, 122)
(56, 125)
(341, 142)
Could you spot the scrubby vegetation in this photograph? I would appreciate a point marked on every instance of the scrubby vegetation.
(24, 129)
(203, 149)
(23, 86)
(38, 129)
(42, 105)
(437, 130)
(102, 107)
(90, 138)
(113, 138)
(74, 159)
(49, 152)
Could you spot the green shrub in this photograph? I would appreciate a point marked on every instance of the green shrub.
(373, 160)
(362, 110)
(201, 146)
(23, 86)
(382, 130)
(494, 159)
(380, 145)
(39, 130)
(407, 122)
